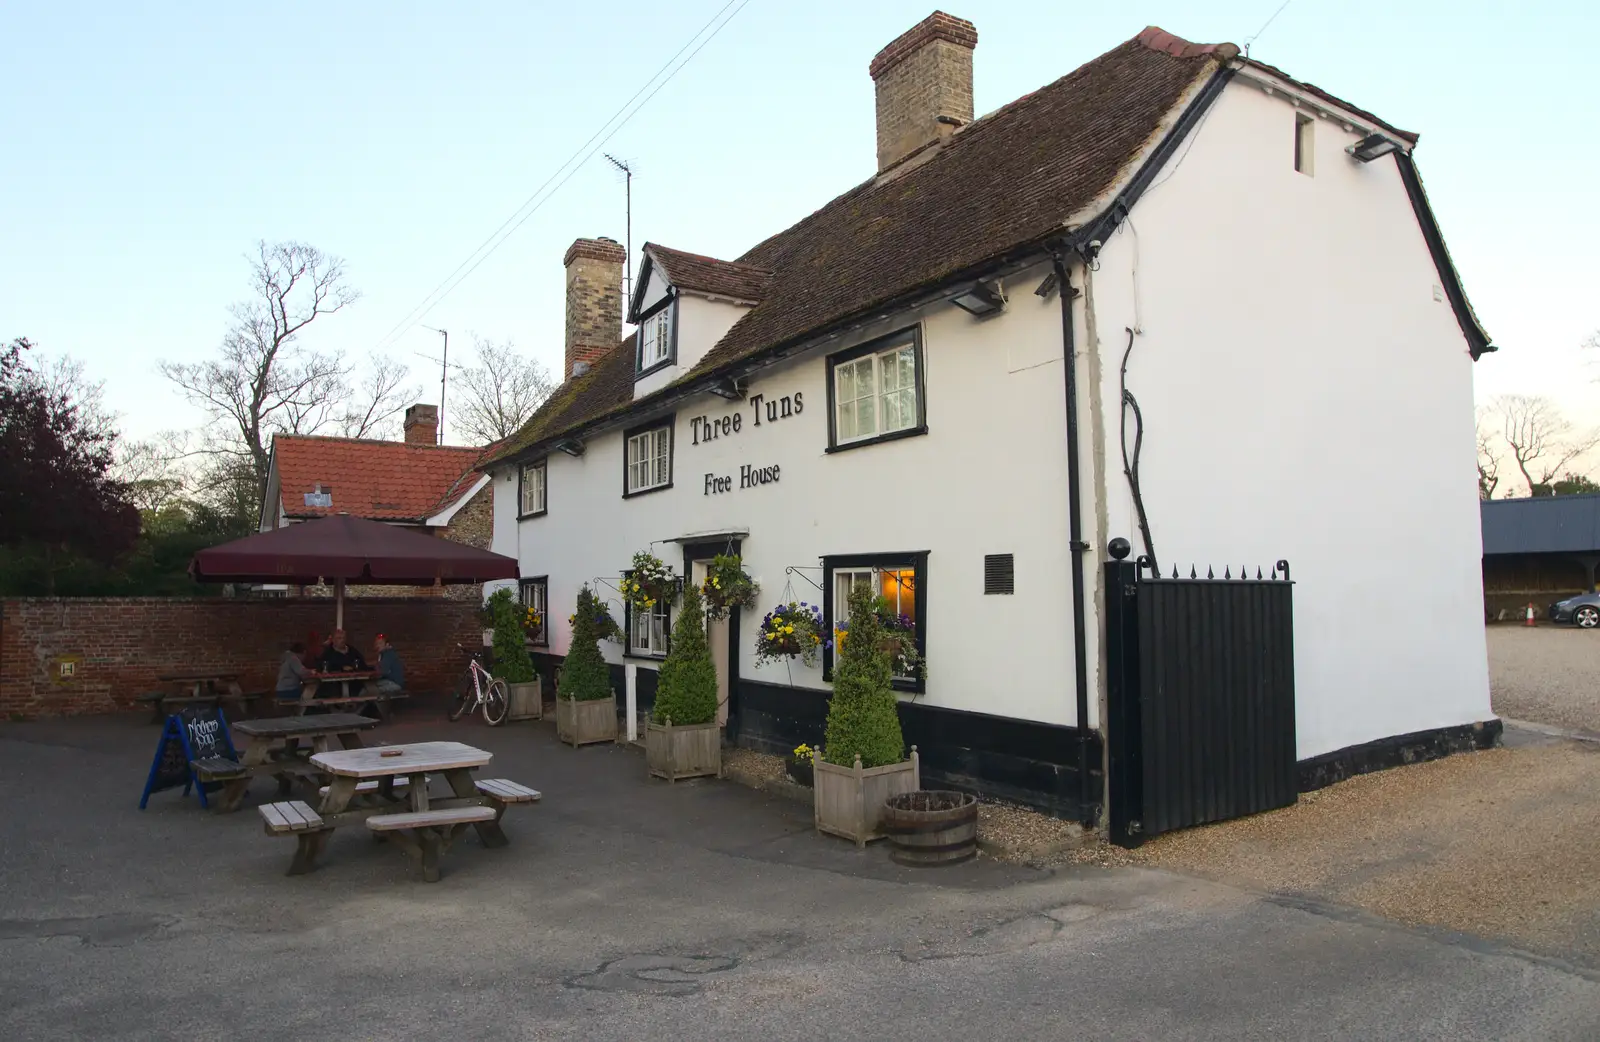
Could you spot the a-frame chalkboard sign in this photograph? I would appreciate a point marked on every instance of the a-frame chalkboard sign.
(194, 734)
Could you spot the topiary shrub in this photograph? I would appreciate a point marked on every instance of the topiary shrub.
(511, 661)
(687, 689)
(584, 676)
(862, 715)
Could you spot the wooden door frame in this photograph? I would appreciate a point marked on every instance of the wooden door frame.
(705, 551)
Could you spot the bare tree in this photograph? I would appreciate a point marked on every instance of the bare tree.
(499, 394)
(1488, 456)
(377, 399)
(66, 377)
(1543, 442)
(262, 381)
(158, 471)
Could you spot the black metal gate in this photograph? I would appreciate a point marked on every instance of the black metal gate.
(1200, 691)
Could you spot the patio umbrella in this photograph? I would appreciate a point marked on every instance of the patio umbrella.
(342, 549)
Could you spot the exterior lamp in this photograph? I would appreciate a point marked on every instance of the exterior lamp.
(1371, 147)
(728, 388)
(981, 300)
(571, 446)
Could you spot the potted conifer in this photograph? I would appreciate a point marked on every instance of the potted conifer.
(586, 707)
(683, 739)
(511, 660)
(863, 754)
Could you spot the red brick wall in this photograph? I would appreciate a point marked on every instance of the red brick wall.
(119, 645)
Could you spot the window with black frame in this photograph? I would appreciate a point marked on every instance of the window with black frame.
(534, 595)
(647, 628)
(899, 583)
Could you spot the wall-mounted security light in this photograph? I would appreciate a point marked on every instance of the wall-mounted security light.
(1047, 287)
(571, 446)
(1371, 147)
(980, 300)
(728, 388)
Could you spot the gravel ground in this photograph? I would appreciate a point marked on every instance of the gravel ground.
(1005, 831)
(1546, 674)
(1501, 843)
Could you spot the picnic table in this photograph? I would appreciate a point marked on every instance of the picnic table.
(366, 692)
(275, 750)
(193, 687)
(428, 826)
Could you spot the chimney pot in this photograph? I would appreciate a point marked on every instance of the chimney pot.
(924, 85)
(422, 424)
(594, 301)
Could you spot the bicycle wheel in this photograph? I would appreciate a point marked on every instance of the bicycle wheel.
(496, 701)
(462, 696)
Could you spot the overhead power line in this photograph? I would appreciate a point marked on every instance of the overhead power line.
(563, 173)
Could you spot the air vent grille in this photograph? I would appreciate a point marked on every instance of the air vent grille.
(999, 574)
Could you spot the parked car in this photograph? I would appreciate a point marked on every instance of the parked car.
(1582, 610)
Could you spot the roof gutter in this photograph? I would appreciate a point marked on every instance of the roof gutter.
(1477, 339)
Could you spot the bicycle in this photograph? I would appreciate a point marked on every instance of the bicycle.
(477, 687)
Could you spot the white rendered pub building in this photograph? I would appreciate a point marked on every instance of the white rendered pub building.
(915, 385)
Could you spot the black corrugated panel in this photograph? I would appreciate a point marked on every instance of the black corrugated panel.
(1215, 688)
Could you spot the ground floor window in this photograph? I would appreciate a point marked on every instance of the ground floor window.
(534, 594)
(647, 629)
(900, 579)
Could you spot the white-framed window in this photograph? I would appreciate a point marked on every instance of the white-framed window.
(647, 631)
(655, 339)
(535, 593)
(877, 392)
(532, 488)
(649, 460)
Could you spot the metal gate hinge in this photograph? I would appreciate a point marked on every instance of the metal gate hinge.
(1077, 544)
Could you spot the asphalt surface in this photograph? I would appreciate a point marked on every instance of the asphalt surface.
(629, 909)
(1546, 674)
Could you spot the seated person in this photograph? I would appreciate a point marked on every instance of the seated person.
(391, 674)
(339, 657)
(292, 672)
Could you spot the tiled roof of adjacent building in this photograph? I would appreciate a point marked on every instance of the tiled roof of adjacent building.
(702, 274)
(381, 480)
(1005, 184)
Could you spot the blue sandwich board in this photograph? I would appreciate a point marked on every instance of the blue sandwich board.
(194, 734)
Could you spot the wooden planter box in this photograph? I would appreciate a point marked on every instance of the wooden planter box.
(581, 723)
(527, 700)
(690, 751)
(849, 800)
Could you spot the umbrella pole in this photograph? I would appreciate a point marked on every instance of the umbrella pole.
(338, 604)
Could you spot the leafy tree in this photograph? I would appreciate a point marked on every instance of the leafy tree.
(1569, 485)
(687, 690)
(511, 661)
(58, 498)
(863, 717)
(584, 676)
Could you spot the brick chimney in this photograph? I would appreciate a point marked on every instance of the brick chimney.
(594, 300)
(924, 85)
(422, 424)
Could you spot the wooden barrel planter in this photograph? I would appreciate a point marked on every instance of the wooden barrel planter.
(931, 828)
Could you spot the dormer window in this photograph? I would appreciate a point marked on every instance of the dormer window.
(655, 340)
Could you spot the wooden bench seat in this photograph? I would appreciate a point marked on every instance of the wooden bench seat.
(504, 790)
(421, 819)
(218, 767)
(371, 785)
(289, 817)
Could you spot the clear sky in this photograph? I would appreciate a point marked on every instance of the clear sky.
(146, 147)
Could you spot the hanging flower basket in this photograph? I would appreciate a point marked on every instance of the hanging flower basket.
(727, 586)
(651, 582)
(792, 630)
(605, 626)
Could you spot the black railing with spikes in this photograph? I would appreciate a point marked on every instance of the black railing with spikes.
(1279, 572)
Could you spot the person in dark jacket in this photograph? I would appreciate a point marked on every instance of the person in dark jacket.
(391, 674)
(340, 656)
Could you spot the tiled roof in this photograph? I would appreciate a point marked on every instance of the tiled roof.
(1315, 91)
(702, 274)
(1003, 184)
(382, 480)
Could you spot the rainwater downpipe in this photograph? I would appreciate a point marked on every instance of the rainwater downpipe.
(1075, 543)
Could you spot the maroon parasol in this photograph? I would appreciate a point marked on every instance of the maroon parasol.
(342, 549)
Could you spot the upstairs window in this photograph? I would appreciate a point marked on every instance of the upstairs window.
(648, 463)
(876, 392)
(655, 340)
(532, 491)
(1304, 138)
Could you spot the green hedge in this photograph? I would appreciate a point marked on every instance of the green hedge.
(584, 676)
(862, 714)
(686, 691)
